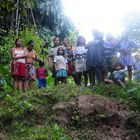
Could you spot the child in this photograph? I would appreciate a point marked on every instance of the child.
(52, 54)
(118, 76)
(70, 58)
(41, 74)
(137, 68)
(61, 66)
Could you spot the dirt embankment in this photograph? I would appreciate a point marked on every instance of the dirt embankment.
(92, 117)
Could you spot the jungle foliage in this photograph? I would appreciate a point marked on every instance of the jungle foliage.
(37, 20)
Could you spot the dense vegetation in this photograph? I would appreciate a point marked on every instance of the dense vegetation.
(39, 20)
(31, 116)
(36, 20)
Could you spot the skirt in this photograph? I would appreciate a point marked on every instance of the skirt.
(70, 68)
(31, 72)
(18, 69)
(62, 73)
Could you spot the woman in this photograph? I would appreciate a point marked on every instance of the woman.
(80, 60)
(52, 54)
(18, 65)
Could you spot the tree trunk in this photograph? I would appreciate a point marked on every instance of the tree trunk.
(17, 16)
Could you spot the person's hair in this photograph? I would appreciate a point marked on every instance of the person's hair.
(70, 45)
(137, 57)
(120, 65)
(109, 36)
(63, 54)
(124, 36)
(30, 42)
(97, 34)
(83, 41)
(66, 39)
(59, 40)
(17, 41)
(41, 63)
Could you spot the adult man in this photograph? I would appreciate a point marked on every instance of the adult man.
(95, 58)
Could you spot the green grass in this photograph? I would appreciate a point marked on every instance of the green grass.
(29, 116)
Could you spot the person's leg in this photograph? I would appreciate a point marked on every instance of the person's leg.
(129, 72)
(99, 74)
(55, 81)
(15, 84)
(105, 74)
(63, 80)
(39, 83)
(85, 73)
(108, 81)
(91, 77)
(75, 78)
(20, 84)
(31, 84)
(26, 81)
(14, 71)
(79, 78)
(121, 83)
(105, 68)
(25, 85)
(44, 82)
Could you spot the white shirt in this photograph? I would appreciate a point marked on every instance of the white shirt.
(18, 53)
(80, 50)
(61, 62)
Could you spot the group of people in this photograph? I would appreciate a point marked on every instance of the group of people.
(22, 67)
(94, 62)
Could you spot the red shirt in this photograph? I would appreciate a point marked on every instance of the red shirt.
(41, 72)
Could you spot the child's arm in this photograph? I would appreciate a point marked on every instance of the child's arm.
(66, 64)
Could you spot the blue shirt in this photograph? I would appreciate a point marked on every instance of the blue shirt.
(119, 75)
